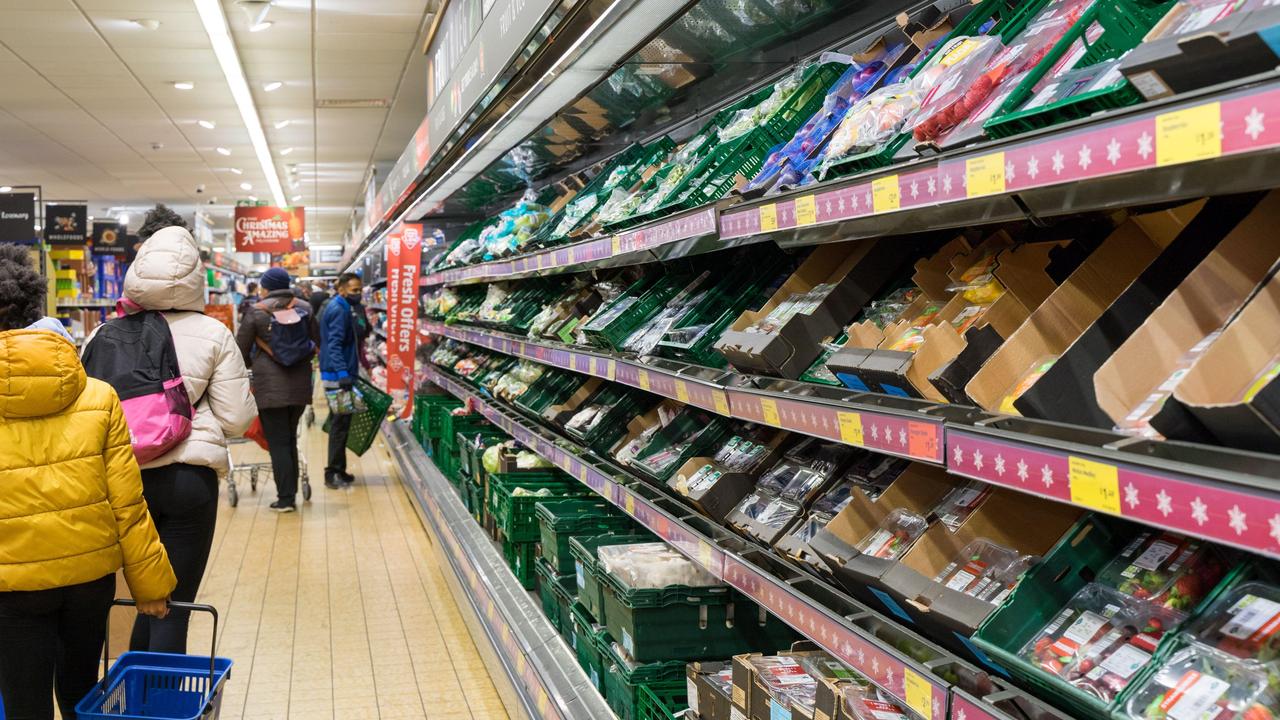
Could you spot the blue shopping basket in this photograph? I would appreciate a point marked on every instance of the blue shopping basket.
(159, 686)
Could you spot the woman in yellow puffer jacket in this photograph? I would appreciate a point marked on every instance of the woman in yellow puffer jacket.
(71, 508)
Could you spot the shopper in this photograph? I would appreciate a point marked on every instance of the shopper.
(277, 339)
(181, 486)
(250, 297)
(339, 366)
(319, 296)
(72, 511)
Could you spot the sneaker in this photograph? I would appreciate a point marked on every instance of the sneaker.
(333, 483)
(280, 507)
(346, 477)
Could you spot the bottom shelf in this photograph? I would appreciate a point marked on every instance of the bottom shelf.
(543, 672)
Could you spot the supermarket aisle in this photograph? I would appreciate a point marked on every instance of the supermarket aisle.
(339, 610)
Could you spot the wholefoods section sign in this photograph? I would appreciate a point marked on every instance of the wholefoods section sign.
(66, 224)
(404, 265)
(266, 229)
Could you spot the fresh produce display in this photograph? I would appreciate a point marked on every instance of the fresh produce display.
(895, 536)
(958, 504)
(1196, 683)
(652, 566)
(985, 570)
(1244, 623)
(1166, 569)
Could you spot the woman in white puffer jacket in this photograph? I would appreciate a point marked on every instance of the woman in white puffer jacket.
(181, 486)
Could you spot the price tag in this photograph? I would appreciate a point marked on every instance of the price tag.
(643, 379)
(1094, 485)
(1189, 135)
(582, 474)
(722, 403)
(573, 255)
(918, 692)
(682, 391)
(922, 441)
(704, 554)
(885, 194)
(768, 217)
(612, 371)
(806, 210)
(544, 702)
(769, 409)
(617, 245)
(630, 504)
(850, 428)
(985, 175)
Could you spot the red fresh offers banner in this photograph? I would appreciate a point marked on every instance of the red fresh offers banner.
(266, 229)
(404, 254)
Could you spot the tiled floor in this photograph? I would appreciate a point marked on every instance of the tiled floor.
(340, 610)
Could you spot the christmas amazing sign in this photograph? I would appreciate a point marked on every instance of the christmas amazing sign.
(266, 229)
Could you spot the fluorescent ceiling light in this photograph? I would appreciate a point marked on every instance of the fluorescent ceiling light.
(236, 171)
(286, 151)
(124, 219)
(206, 124)
(283, 124)
(272, 86)
(147, 23)
(184, 85)
(295, 198)
(246, 186)
(5, 188)
(259, 27)
(253, 198)
(223, 151)
(215, 25)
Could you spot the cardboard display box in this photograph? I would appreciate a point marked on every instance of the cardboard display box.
(561, 413)
(918, 489)
(855, 270)
(751, 695)
(1074, 305)
(709, 688)
(1178, 330)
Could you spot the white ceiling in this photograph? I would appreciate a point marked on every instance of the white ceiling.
(86, 93)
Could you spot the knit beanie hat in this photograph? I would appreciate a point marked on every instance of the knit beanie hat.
(275, 279)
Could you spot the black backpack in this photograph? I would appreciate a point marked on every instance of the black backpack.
(289, 339)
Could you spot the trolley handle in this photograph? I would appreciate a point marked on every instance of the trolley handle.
(173, 605)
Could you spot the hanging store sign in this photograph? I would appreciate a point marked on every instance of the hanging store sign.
(110, 238)
(66, 224)
(269, 229)
(17, 218)
(404, 264)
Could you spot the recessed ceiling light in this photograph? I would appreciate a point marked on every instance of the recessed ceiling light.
(295, 198)
(147, 23)
(184, 85)
(5, 188)
(253, 198)
(124, 218)
(286, 151)
(236, 171)
(259, 27)
(283, 124)
(223, 151)
(272, 86)
(246, 186)
(206, 124)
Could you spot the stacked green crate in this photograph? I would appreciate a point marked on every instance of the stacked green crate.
(453, 426)
(589, 637)
(513, 497)
(661, 701)
(556, 591)
(624, 677)
(617, 405)
(560, 521)
(689, 434)
(613, 324)
(587, 567)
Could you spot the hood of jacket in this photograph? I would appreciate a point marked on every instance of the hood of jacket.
(40, 374)
(168, 273)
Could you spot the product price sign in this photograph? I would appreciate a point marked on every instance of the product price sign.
(404, 263)
(885, 194)
(985, 175)
(806, 210)
(768, 217)
(918, 693)
(1189, 135)
(850, 428)
(1094, 485)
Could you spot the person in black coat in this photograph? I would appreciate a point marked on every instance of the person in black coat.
(318, 297)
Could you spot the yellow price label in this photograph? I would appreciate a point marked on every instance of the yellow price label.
(643, 378)
(769, 409)
(544, 702)
(985, 175)
(630, 504)
(806, 210)
(1189, 135)
(617, 244)
(704, 554)
(573, 255)
(612, 370)
(918, 692)
(1094, 485)
(850, 427)
(582, 474)
(520, 664)
(722, 403)
(768, 217)
(886, 194)
(682, 391)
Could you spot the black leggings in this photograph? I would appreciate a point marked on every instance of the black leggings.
(51, 641)
(280, 427)
(183, 500)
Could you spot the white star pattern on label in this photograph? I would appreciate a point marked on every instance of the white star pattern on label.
(977, 459)
(1008, 170)
(1275, 527)
(1022, 470)
(915, 189)
(875, 432)
(853, 202)
(1164, 503)
(862, 658)
(1144, 145)
(867, 200)
(1058, 162)
(1113, 151)
(888, 677)
(1086, 156)
(1046, 476)
(1253, 123)
(1000, 465)
(1033, 167)
(1198, 513)
(946, 184)
(902, 438)
(828, 205)
(875, 666)
(841, 203)
(937, 708)
(1237, 519)
(933, 185)
(960, 715)
(1131, 495)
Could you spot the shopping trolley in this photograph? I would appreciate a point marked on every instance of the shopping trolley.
(255, 471)
(163, 686)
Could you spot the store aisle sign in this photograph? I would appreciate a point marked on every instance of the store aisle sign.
(267, 229)
(66, 224)
(110, 238)
(17, 218)
(404, 265)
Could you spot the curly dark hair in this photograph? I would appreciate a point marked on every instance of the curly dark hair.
(22, 290)
(159, 218)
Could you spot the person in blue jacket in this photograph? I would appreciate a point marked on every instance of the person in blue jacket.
(340, 331)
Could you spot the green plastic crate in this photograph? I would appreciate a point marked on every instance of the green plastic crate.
(365, 425)
(586, 567)
(473, 498)
(623, 677)
(611, 326)
(514, 514)
(471, 449)
(1124, 23)
(661, 700)
(561, 520)
(556, 592)
(714, 429)
(521, 558)
(588, 640)
(687, 623)
(434, 411)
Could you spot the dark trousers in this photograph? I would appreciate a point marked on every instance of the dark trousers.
(183, 500)
(339, 426)
(51, 641)
(280, 427)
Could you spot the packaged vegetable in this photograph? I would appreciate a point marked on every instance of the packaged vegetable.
(1197, 683)
(1166, 569)
(1024, 382)
(895, 536)
(651, 566)
(1089, 623)
(1243, 623)
(985, 570)
(959, 502)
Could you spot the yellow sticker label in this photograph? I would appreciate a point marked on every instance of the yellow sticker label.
(643, 377)
(582, 474)
(573, 255)
(520, 664)
(885, 194)
(617, 244)
(919, 693)
(704, 554)
(1189, 135)
(959, 51)
(768, 217)
(769, 409)
(985, 175)
(630, 504)
(806, 210)
(722, 403)
(850, 428)
(682, 391)
(1094, 485)
(612, 370)
(739, 696)
(544, 702)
